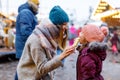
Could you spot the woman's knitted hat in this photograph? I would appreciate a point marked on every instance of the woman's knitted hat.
(92, 33)
(58, 16)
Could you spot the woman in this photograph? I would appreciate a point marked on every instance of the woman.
(39, 58)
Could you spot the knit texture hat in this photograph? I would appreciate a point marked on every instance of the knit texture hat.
(105, 30)
(58, 16)
(92, 33)
(35, 1)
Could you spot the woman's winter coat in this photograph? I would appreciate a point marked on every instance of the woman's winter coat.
(89, 62)
(38, 59)
(25, 24)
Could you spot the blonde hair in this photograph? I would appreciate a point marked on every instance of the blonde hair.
(62, 41)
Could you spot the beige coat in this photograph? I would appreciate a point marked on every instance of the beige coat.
(37, 59)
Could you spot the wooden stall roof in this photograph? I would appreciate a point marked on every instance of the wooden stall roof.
(112, 19)
(100, 8)
(3, 14)
(8, 16)
(108, 11)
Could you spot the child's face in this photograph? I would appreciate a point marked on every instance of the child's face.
(82, 38)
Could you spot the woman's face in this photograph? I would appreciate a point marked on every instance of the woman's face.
(64, 27)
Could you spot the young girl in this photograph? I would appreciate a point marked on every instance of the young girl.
(93, 52)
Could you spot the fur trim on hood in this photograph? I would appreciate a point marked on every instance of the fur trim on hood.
(97, 46)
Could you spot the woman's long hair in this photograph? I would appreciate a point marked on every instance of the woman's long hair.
(62, 40)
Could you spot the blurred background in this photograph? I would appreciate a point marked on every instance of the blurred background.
(77, 10)
(81, 12)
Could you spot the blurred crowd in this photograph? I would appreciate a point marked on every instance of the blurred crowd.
(7, 33)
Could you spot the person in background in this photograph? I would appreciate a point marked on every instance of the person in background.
(89, 61)
(25, 24)
(114, 42)
(78, 31)
(72, 34)
(11, 36)
(3, 35)
(39, 58)
(6, 29)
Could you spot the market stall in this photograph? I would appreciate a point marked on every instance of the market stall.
(108, 11)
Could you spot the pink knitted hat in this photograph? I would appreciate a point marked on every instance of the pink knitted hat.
(92, 33)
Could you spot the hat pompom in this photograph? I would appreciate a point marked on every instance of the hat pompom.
(58, 16)
(105, 30)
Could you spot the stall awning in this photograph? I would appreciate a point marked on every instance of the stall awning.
(112, 19)
(12, 18)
